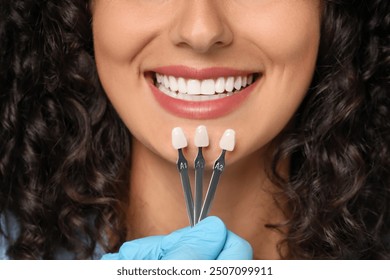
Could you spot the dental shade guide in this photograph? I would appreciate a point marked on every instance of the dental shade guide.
(179, 142)
(226, 143)
(201, 141)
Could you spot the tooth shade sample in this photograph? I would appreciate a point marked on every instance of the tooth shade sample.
(201, 137)
(179, 140)
(228, 140)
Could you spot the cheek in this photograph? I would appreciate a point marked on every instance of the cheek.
(120, 32)
(292, 40)
(288, 39)
(284, 33)
(288, 44)
(118, 43)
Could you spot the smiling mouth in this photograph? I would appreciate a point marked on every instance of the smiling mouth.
(202, 90)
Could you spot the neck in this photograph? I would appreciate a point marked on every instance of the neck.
(243, 200)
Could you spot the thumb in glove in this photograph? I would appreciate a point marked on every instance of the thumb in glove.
(208, 240)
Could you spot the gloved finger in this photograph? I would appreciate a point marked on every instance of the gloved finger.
(147, 248)
(113, 256)
(202, 242)
(236, 248)
(171, 239)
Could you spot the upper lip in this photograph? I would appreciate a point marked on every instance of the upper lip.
(200, 74)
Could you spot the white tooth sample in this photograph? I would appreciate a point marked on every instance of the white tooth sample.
(220, 85)
(166, 81)
(173, 84)
(182, 85)
(244, 81)
(228, 140)
(179, 140)
(207, 87)
(250, 79)
(238, 83)
(201, 137)
(229, 84)
(193, 87)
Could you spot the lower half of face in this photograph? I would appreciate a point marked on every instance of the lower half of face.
(244, 65)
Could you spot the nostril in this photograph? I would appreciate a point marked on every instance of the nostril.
(200, 27)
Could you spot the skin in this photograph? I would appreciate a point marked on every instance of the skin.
(278, 38)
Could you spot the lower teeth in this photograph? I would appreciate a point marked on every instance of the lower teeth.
(191, 97)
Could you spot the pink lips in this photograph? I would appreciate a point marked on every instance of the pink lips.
(200, 109)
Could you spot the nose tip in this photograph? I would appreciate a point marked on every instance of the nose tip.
(201, 26)
(201, 39)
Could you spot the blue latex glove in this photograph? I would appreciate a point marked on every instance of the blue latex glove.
(208, 240)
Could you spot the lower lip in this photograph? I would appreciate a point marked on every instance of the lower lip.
(201, 109)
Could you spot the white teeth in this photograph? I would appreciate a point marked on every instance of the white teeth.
(220, 85)
(159, 78)
(250, 80)
(166, 81)
(173, 84)
(238, 83)
(189, 97)
(229, 84)
(193, 87)
(164, 89)
(182, 85)
(207, 87)
(223, 86)
(244, 81)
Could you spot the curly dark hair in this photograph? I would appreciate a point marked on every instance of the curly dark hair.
(63, 149)
(339, 185)
(64, 152)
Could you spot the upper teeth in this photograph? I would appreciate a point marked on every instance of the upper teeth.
(203, 87)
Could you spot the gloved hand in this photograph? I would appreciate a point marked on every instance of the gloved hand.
(208, 240)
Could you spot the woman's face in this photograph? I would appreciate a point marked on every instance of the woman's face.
(240, 64)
